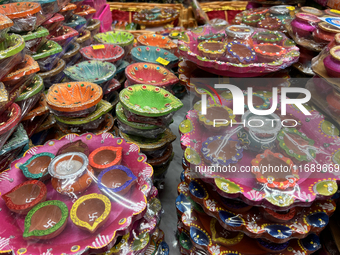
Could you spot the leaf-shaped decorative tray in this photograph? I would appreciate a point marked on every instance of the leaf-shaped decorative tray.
(151, 54)
(225, 65)
(108, 53)
(91, 71)
(152, 74)
(73, 96)
(126, 210)
(297, 222)
(310, 185)
(149, 101)
(206, 233)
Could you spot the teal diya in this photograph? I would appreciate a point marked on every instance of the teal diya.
(36, 167)
(94, 71)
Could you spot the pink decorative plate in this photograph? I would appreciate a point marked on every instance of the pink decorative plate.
(125, 210)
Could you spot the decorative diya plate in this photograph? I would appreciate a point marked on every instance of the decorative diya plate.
(5, 24)
(76, 22)
(105, 52)
(84, 38)
(85, 11)
(72, 55)
(93, 26)
(308, 187)
(295, 223)
(54, 22)
(149, 101)
(127, 209)
(9, 119)
(152, 54)
(117, 37)
(63, 36)
(159, 41)
(207, 233)
(91, 121)
(155, 17)
(152, 74)
(90, 212)
(25, 15)
(73, 99)
(224, 66)
(10, 53)
(22, 198)
(39, 109)
(34, 40)
(46, 56)
(94, 71)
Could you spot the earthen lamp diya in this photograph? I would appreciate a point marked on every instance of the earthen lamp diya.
(22, 198)
(71, 173)
(36, 166)
(91, 211)
(105, 157)
(116, 179)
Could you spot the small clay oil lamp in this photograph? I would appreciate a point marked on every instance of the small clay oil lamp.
(211, 37)
(242, 52)
(333, 12)
(105, 157)
(304, 24)
(36, 166)
(222, 151)
(71, 173)
(116, 179)
(281, 12)
(270, 23)
(22, 198)
(77, 146)
(252, 20)
(295, 144)
(240, 33)
(281, 179)
(261, 11)
(90, 212)
(333, 100)
(214, 112)
(312, 10)
(219, 235)
(268, 37)
(332, 62)
(267, 53)
(212, 49)
(325, 33)
(46, 220)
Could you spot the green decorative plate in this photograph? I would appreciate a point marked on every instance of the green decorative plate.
(149, 101)
(38, 33)
(121, 116)
(103, 107)
(32, 89)
(148, 144)
(12, 45)
(115, 37)
(50, 48)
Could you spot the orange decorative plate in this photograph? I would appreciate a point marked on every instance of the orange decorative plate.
(73, 97)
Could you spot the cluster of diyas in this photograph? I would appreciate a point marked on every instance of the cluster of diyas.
(95, 183)
(144, 114)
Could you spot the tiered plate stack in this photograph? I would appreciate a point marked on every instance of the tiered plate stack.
(220, 211)
(144, 114)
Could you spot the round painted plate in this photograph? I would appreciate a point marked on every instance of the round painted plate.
(74, 240)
